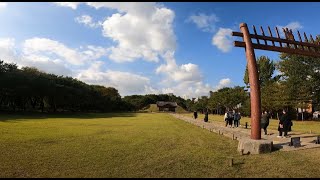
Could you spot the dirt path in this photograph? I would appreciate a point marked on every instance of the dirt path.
(307, 140)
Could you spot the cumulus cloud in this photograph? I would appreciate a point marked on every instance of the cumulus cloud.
(140, 30)
(293, 26)
(150, 34)
(9, 54)
(184, 72)
(204, 22)
(48, 47)
(7, 43)
(125, 82)
(182, 80)
(49, 55)
(191, 89)
(7, 49)
(223, 83)
(87, 21)
(223, 39)
(72, 5)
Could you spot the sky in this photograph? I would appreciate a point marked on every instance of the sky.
(182, 48)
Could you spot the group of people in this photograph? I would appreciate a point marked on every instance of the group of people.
(284, 125)
(232, 117)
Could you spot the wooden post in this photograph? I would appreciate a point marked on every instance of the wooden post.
(255, 101)
(231, 162)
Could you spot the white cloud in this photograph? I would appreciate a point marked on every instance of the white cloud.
(140, 35)
(135, 8)
(123, 7)
(204, 22)
(191, 89)
(141, 30)
(48, 47)
(46, 64)
(293, 26)
(72, 5)
(9, 55)
(7, 49)
(125, 82)
(223, 83)
(182, 80)
(49, 55)
(185, 72)
(7, 43)
(87, 21)
(223, 39)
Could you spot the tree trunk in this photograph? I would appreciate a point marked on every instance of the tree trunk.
(41, 104)
(33, 102)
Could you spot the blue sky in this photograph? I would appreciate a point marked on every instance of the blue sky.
(143, 48)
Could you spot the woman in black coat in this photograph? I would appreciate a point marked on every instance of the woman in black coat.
(206, 118)
(265, 121)
(284, 124)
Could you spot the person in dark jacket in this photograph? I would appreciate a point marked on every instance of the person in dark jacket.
(236, 119)
(195, 114)
(284, 125)
(206, 118)
(265, 117)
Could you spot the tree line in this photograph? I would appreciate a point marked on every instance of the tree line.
(290, 83)
(29, 89)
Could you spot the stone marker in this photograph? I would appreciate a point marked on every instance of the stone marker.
(231, 162)
(295, 142)
(252, 146)
(318, 140)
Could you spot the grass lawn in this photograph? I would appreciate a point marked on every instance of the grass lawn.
(133, 145)
(299, 126)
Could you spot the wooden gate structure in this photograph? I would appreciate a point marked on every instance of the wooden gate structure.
(308, 47)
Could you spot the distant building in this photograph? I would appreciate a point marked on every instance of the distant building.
(185, 97)
(308, 107)
(167, 106)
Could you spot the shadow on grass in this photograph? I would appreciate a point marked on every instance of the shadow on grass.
(23, 116)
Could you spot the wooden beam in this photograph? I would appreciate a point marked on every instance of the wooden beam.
(239, 34)
(278, 49)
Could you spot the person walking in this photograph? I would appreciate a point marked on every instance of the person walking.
(206, 118)
(195, 114)
(236, 119)
(226, 117)
(284, 124)
(265, 117)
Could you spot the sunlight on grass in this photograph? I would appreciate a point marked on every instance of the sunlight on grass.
(132, 145)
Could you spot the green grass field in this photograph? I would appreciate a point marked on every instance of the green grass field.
(133, 145)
